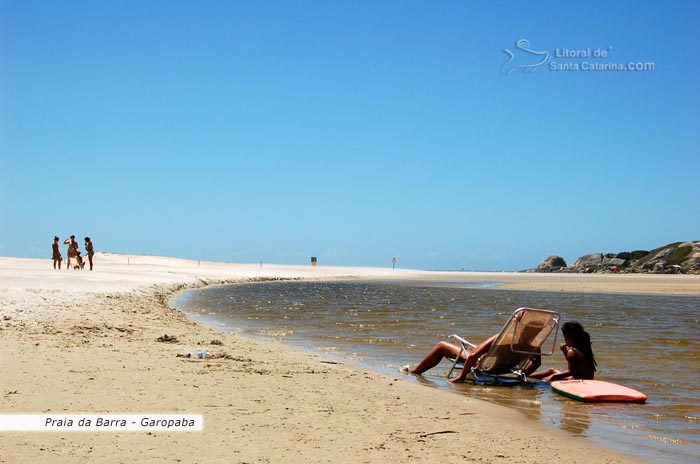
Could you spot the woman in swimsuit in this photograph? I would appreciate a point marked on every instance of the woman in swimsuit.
(73, 252)
(90, 250)
(57, 258)
(578, 353)
(470, 358)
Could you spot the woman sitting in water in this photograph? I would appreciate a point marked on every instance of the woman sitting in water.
(579, 356)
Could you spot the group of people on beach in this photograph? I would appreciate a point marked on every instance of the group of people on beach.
(75, 260)
(577, 350)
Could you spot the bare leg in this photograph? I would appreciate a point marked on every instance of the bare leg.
(473, 355)
(544, 373)
(449, 350)
(433, 358)
(483, 347)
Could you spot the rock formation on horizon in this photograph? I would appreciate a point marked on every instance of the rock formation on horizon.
(553, 263)
(674, 258)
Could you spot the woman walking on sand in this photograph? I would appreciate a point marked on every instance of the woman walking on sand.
(57, 258)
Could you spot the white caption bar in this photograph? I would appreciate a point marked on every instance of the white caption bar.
(102, 422)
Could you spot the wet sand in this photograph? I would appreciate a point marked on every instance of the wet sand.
(87, 342)
(659, 284)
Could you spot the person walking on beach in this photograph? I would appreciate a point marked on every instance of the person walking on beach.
(577, 350)
(57, 258)
(90, 250)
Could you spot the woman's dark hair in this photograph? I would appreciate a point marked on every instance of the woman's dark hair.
(581, 339)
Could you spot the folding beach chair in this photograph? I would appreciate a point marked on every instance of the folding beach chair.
(520, 340)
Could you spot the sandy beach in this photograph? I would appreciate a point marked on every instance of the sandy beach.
(81, 342)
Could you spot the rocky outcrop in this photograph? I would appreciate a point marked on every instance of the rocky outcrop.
(553, 263)
(589, 261)
(680, 257)
(675, 258)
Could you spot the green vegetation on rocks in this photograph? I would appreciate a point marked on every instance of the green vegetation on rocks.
(674, 258)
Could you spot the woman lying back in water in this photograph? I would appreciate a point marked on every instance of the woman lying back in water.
(576, 348)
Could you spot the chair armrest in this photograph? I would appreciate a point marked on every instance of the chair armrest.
(462, 341)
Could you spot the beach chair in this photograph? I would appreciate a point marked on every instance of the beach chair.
(520, 340)
(73, 262)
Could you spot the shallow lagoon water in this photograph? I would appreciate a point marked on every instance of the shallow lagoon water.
(648, 342)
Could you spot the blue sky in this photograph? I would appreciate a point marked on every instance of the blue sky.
(351, 131)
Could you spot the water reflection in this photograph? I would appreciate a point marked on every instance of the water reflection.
(575, 418)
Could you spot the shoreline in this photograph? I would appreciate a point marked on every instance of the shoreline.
(92, 347)
(140, 270)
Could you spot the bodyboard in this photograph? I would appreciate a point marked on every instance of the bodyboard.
(597, 391)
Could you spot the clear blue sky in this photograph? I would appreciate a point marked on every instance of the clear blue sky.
(351, 131)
